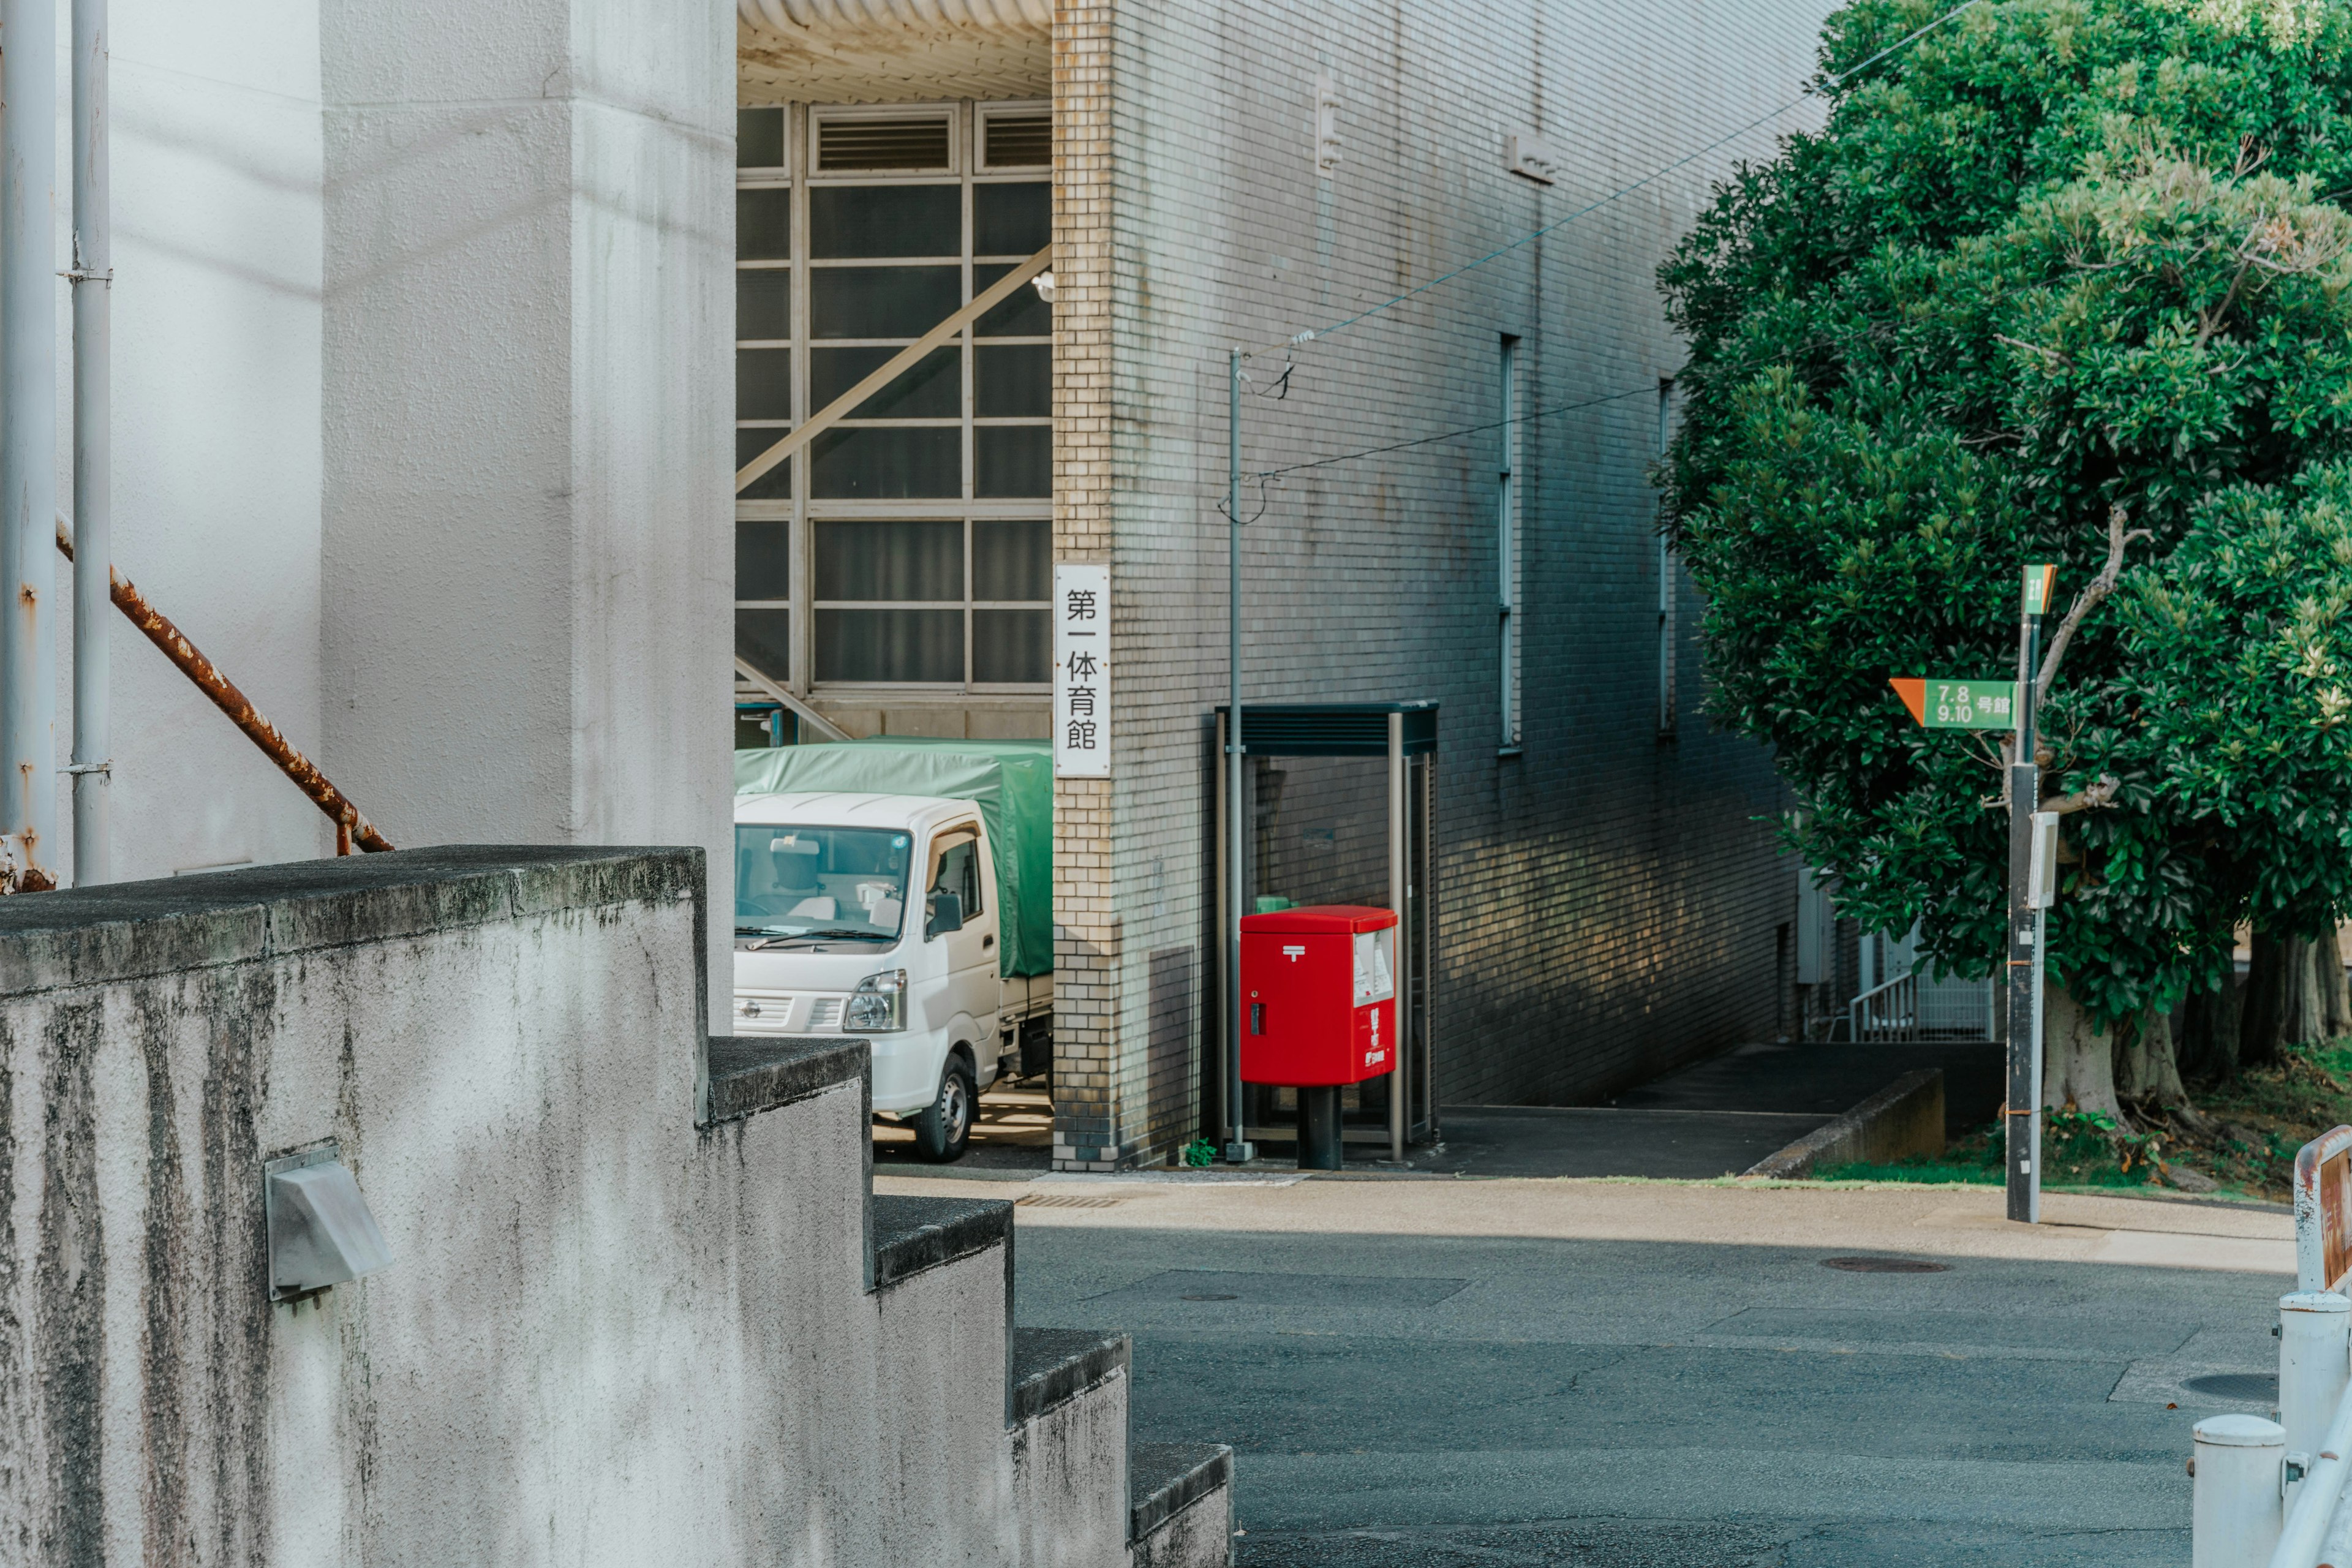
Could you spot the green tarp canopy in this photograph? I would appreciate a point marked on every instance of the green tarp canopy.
(1012, 781)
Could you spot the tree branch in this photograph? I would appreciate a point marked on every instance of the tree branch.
(2099, 588)
(2099, 794)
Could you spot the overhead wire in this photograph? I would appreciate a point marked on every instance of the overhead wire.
(1268, 476)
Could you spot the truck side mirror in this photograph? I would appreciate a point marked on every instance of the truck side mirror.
(947, 915)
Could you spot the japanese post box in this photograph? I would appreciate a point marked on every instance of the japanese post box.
(1319, 995)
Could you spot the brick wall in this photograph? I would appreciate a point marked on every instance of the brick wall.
(1611, 903)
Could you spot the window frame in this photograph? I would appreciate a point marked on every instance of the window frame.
(803, 510)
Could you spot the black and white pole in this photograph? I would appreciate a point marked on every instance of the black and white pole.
(2021, 1117)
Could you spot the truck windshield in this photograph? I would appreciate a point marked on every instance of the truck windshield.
(845, 883)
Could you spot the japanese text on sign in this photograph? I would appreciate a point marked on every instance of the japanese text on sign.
(1945, 704)
(1081, 670)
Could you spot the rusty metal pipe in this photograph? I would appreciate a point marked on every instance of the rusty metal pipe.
(351, 827)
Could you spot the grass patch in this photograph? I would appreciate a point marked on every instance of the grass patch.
(2244, 1135)
(2078, 1150)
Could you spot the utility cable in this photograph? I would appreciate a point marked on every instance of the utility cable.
(1827, 84)
(1266, 477)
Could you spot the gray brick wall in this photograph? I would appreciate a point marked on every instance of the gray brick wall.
(1609, 900)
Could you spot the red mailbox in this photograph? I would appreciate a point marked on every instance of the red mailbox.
(1319, 995)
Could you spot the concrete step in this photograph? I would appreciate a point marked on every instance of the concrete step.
(1050, 1367)
(912, 1235)
(1180, 1504)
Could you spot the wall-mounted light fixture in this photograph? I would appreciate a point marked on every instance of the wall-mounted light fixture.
(320, 1232)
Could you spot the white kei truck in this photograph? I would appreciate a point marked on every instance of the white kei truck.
(907, 915)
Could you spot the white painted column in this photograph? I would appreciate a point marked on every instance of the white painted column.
(2235, 1512)
(529, 574)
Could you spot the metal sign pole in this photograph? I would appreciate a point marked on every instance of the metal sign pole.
(2022, 1121)
(1237, 1146)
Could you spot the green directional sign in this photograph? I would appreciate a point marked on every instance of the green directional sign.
(1941, 703)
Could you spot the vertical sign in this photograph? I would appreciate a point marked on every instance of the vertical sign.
(1081, 670)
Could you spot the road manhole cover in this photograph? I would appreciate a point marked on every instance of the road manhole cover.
(1883, 1265)
(2255, 1386)
(1211, 1297)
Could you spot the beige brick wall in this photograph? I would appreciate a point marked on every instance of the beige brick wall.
(1087, 949)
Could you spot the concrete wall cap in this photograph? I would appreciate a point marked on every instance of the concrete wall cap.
(129, 930)
(2323, 1302)
(2241, 1432)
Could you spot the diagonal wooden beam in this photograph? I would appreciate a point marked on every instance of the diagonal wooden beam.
(896, 365)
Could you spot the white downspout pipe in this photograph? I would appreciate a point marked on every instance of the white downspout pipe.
(29, 435)
(93, 281)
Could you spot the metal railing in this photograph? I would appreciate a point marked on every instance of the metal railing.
(2272, 1494)
(1888, 1013)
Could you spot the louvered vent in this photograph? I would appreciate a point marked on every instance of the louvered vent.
(1019, 141)
(882, 145)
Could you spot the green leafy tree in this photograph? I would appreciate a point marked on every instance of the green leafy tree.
(2060, 280)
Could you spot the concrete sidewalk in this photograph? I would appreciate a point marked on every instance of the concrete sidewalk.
(1448, 1373)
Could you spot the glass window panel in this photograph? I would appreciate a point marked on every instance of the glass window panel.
(763, 383)
(1018, 140)
(1012, 558)
(848, 221)
(776, 484)
(1018, 461)
(1011, 648)
(763, 226)
(920, 559)
(924, 645)
(883, 144)
(1011, 220)
(763, 559)
(764, 303)
(1009, 382)
(759, 137)
(882, 302)
(932, 390)
(764, 639)
(1026, 315)
(886, 464)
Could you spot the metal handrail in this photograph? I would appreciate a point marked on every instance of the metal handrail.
(1889, 1012)
(2319, 1499)
(352, 829)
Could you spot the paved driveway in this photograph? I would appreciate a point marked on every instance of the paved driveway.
(1441, 1374)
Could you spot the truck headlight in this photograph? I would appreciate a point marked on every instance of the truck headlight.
(878, 1005)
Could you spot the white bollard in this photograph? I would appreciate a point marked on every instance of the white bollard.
(2235, 1508)
(2314, 1362)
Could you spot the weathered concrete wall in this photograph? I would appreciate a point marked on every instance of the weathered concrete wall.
(529, 242)
(1609, 902)
(608, 1336)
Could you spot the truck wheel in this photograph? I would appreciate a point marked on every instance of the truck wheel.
(943, 1127)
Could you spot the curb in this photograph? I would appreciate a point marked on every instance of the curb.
(1905, 1118)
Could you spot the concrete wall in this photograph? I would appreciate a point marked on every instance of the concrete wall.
(528, 540)
(607, 1336)
(216, 441)
(1609, 904)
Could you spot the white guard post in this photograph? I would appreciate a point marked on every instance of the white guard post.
(2236, 1512)
(2242, 1462)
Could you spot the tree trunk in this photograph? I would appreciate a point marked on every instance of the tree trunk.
(2262, 1018)
(2311, 978)
(2078, 1059)
(2208, 1042)
(2334, 984)
(2146, 1066)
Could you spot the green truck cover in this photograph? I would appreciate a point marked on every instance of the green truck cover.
(1012, 780)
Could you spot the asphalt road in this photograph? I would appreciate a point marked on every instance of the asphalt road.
(1452, 1400)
